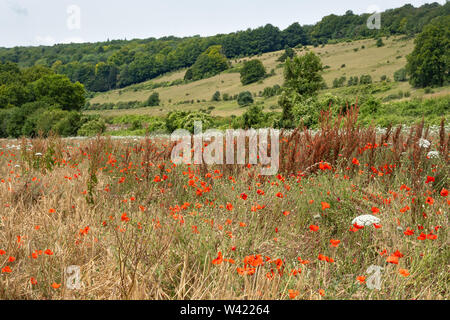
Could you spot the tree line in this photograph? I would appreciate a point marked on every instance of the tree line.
(115, 64)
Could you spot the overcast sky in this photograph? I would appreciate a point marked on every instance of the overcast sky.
(46, 22)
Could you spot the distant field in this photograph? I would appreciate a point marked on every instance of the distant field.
(357, 60)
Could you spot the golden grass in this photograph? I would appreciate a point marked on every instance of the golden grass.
(138, 228)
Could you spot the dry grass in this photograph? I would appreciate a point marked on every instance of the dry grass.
(179, 217)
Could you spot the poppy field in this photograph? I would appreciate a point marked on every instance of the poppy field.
(136, 226)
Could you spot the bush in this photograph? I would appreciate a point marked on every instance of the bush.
(153, 100)
(245, 98)
(400, 75)
(365, 79)
(216, 96)
(92, 128)
(252, 71)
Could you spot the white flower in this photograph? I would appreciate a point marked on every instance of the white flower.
(38, 154)
(433, 154)
(423, 143)
(366, 220)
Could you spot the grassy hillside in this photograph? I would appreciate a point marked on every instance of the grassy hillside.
(359, 57)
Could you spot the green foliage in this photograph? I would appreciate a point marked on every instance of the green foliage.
(365, 79)
(92, 128)
(153, 100)
(429, 63)
(216, 96)
(271, 91)
(303, 74)
(379, 43)
(252, 71)
(288, 53)
(208, 64)
(245, 98)
(400, 75)
(119, 63)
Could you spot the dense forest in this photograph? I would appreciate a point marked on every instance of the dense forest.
(115, 64)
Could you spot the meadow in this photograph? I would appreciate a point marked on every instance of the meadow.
(140, 227)
(353, 58)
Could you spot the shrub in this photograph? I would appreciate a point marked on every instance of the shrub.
(153, 100)
(252, 71)
(92, 128)
(400, 75)
(245, 98)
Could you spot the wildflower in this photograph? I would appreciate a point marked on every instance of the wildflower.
(404, 272)
(229, 207)
(6, 269)
(33, 281)
(219, 259)
(361, 279)
(375, 210)
(125, 217)
(286, 213)
(244, 196)
(56, 285)
(444, 192)
(280, 195)
(366, 220)
(322, 292)
(293, 293)
(48, 252)
(314, 228)
(51, 211)
(392, 259)
(335, 243)
(423, 143)
(430, 201)
(355, 161)
(11, 259)
(325, 206)
(408, 232)
(430, 179)
(2, 252)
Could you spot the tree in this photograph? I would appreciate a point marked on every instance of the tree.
(252, 71)
(400, 75)
(153, 100)
(429, 63)
(245, 98)
(303, 74)
(302, 80)
(288, 53)
(208, 64)
(58, 89)
(216, 96)
(379, 42)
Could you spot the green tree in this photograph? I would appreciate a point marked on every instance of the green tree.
(153, 100)
(58, 89)
(303, 74)
(216, 96)
(429, 63)
(208, 64)
(245, 98)
(252, 71)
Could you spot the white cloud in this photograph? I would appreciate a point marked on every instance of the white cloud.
(17, 8)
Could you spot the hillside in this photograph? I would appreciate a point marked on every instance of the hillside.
(359, 57)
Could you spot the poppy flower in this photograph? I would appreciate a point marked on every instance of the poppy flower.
(2, 252)
(6, 269)
(244, 196)
(56, 285)
(325, 205)
(314, 228)
(293, 293)
(33, 281)
(404, 272)
(335, 243)
(430, 201)
(408, 232)
(430, 179)
(361, 279)
(322, 292)
(355, 161)
(48, 252)
(219, 259)
(392, 259)
(375, 210)
(444, 192)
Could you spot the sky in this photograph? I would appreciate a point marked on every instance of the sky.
(46, 22)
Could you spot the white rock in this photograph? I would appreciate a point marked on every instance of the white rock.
(366, 220)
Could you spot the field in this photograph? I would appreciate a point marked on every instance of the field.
(139, 227)
(357, 60)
